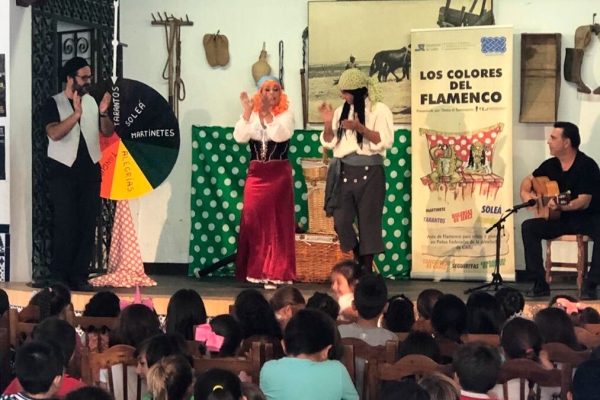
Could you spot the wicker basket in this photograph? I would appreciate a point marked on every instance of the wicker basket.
(316, 255)
(315, 174)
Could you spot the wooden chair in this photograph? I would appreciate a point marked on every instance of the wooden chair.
(402, 336)
(492, 340)
(587, 338)
(93, 328)
(529, 371)
(275, 350)
(359, 349)
(414, 364)
(236, 365)
(447, 348)
(582, 263)
(593, 328)
(19, 331)
(568, 358)
(120, 354)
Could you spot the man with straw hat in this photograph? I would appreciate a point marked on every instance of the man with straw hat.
(359, 132)
(72, 120)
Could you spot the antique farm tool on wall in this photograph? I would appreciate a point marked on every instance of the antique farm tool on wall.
(216, 48)
(450, 17)
(574, 56)
(303, 78)
(172, 70)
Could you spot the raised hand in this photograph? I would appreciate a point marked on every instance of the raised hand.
(353, 124)
(246, 102)
(326, 112)
(77, 103)
(105, 103)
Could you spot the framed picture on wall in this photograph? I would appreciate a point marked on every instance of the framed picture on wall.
(375, 37)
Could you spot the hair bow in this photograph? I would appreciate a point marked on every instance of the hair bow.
(212, 341)
(137, 300)
(569, 306)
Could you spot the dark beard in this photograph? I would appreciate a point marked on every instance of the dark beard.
(81, 90)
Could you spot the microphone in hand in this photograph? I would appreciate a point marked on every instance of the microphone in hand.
(529, 203)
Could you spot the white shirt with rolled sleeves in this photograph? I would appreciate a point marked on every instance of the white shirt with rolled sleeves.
(380, 120)
(280, 130)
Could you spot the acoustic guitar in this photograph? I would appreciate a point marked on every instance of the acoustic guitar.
(546, 190)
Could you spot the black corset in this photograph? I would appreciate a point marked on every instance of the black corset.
(275, 150)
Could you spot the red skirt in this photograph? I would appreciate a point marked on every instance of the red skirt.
(266, 243)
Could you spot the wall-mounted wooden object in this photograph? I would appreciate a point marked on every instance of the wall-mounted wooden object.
(540, 77)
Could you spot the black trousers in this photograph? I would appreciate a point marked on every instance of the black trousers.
(76, 209)
(537, 229)
(361, 198)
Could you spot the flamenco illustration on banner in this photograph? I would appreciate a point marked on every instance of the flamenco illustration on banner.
(462, 151)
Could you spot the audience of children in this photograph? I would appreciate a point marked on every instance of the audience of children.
(311, 342)
(102, 304)
(344, 277)
(305, 372)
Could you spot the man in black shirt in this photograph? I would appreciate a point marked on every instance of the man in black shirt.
(72, 119)
(579, 174)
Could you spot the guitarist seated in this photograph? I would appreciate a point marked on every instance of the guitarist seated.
(575, 172)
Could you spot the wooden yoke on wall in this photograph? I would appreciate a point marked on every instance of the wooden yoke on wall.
(173, 38)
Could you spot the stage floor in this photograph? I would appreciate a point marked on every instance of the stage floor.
(218, 293)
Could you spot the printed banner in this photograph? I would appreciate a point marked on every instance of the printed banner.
(462, 152)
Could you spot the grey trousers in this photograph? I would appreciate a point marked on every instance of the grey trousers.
(362, 197)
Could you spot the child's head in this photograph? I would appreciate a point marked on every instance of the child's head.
(286, 301)
(309, 332)
(585, 381)
(252, 392)
(403, 390)
(325, 303)
(426, 300)
(228, 327)
(39, 368)
(89, 393)
(58, 331)
(255, 315)
(136, 323)
(370, 296)
(589, 315)
(4, 304)
(511, 300)
(449, 317)
(52, 301)
(170, 378)
(400, 314)
(484, 314)
(521, 338)
(151, 350)
(185, 310)
(440, 387)
(423, 343)
(344, 277)
(556, 327)
(218, 384)
(103, 304)
(477, 366)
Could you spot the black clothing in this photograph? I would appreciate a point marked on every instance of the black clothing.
(583, 177)
(274, 151)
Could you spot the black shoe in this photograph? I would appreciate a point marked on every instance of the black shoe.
(588, 291)
(540, 289)
(83, 286)
(40, 284)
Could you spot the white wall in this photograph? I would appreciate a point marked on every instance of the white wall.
(5, 121)
(163, 217)
(20, 141)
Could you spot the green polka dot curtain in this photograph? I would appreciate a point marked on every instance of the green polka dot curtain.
(219, 167)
